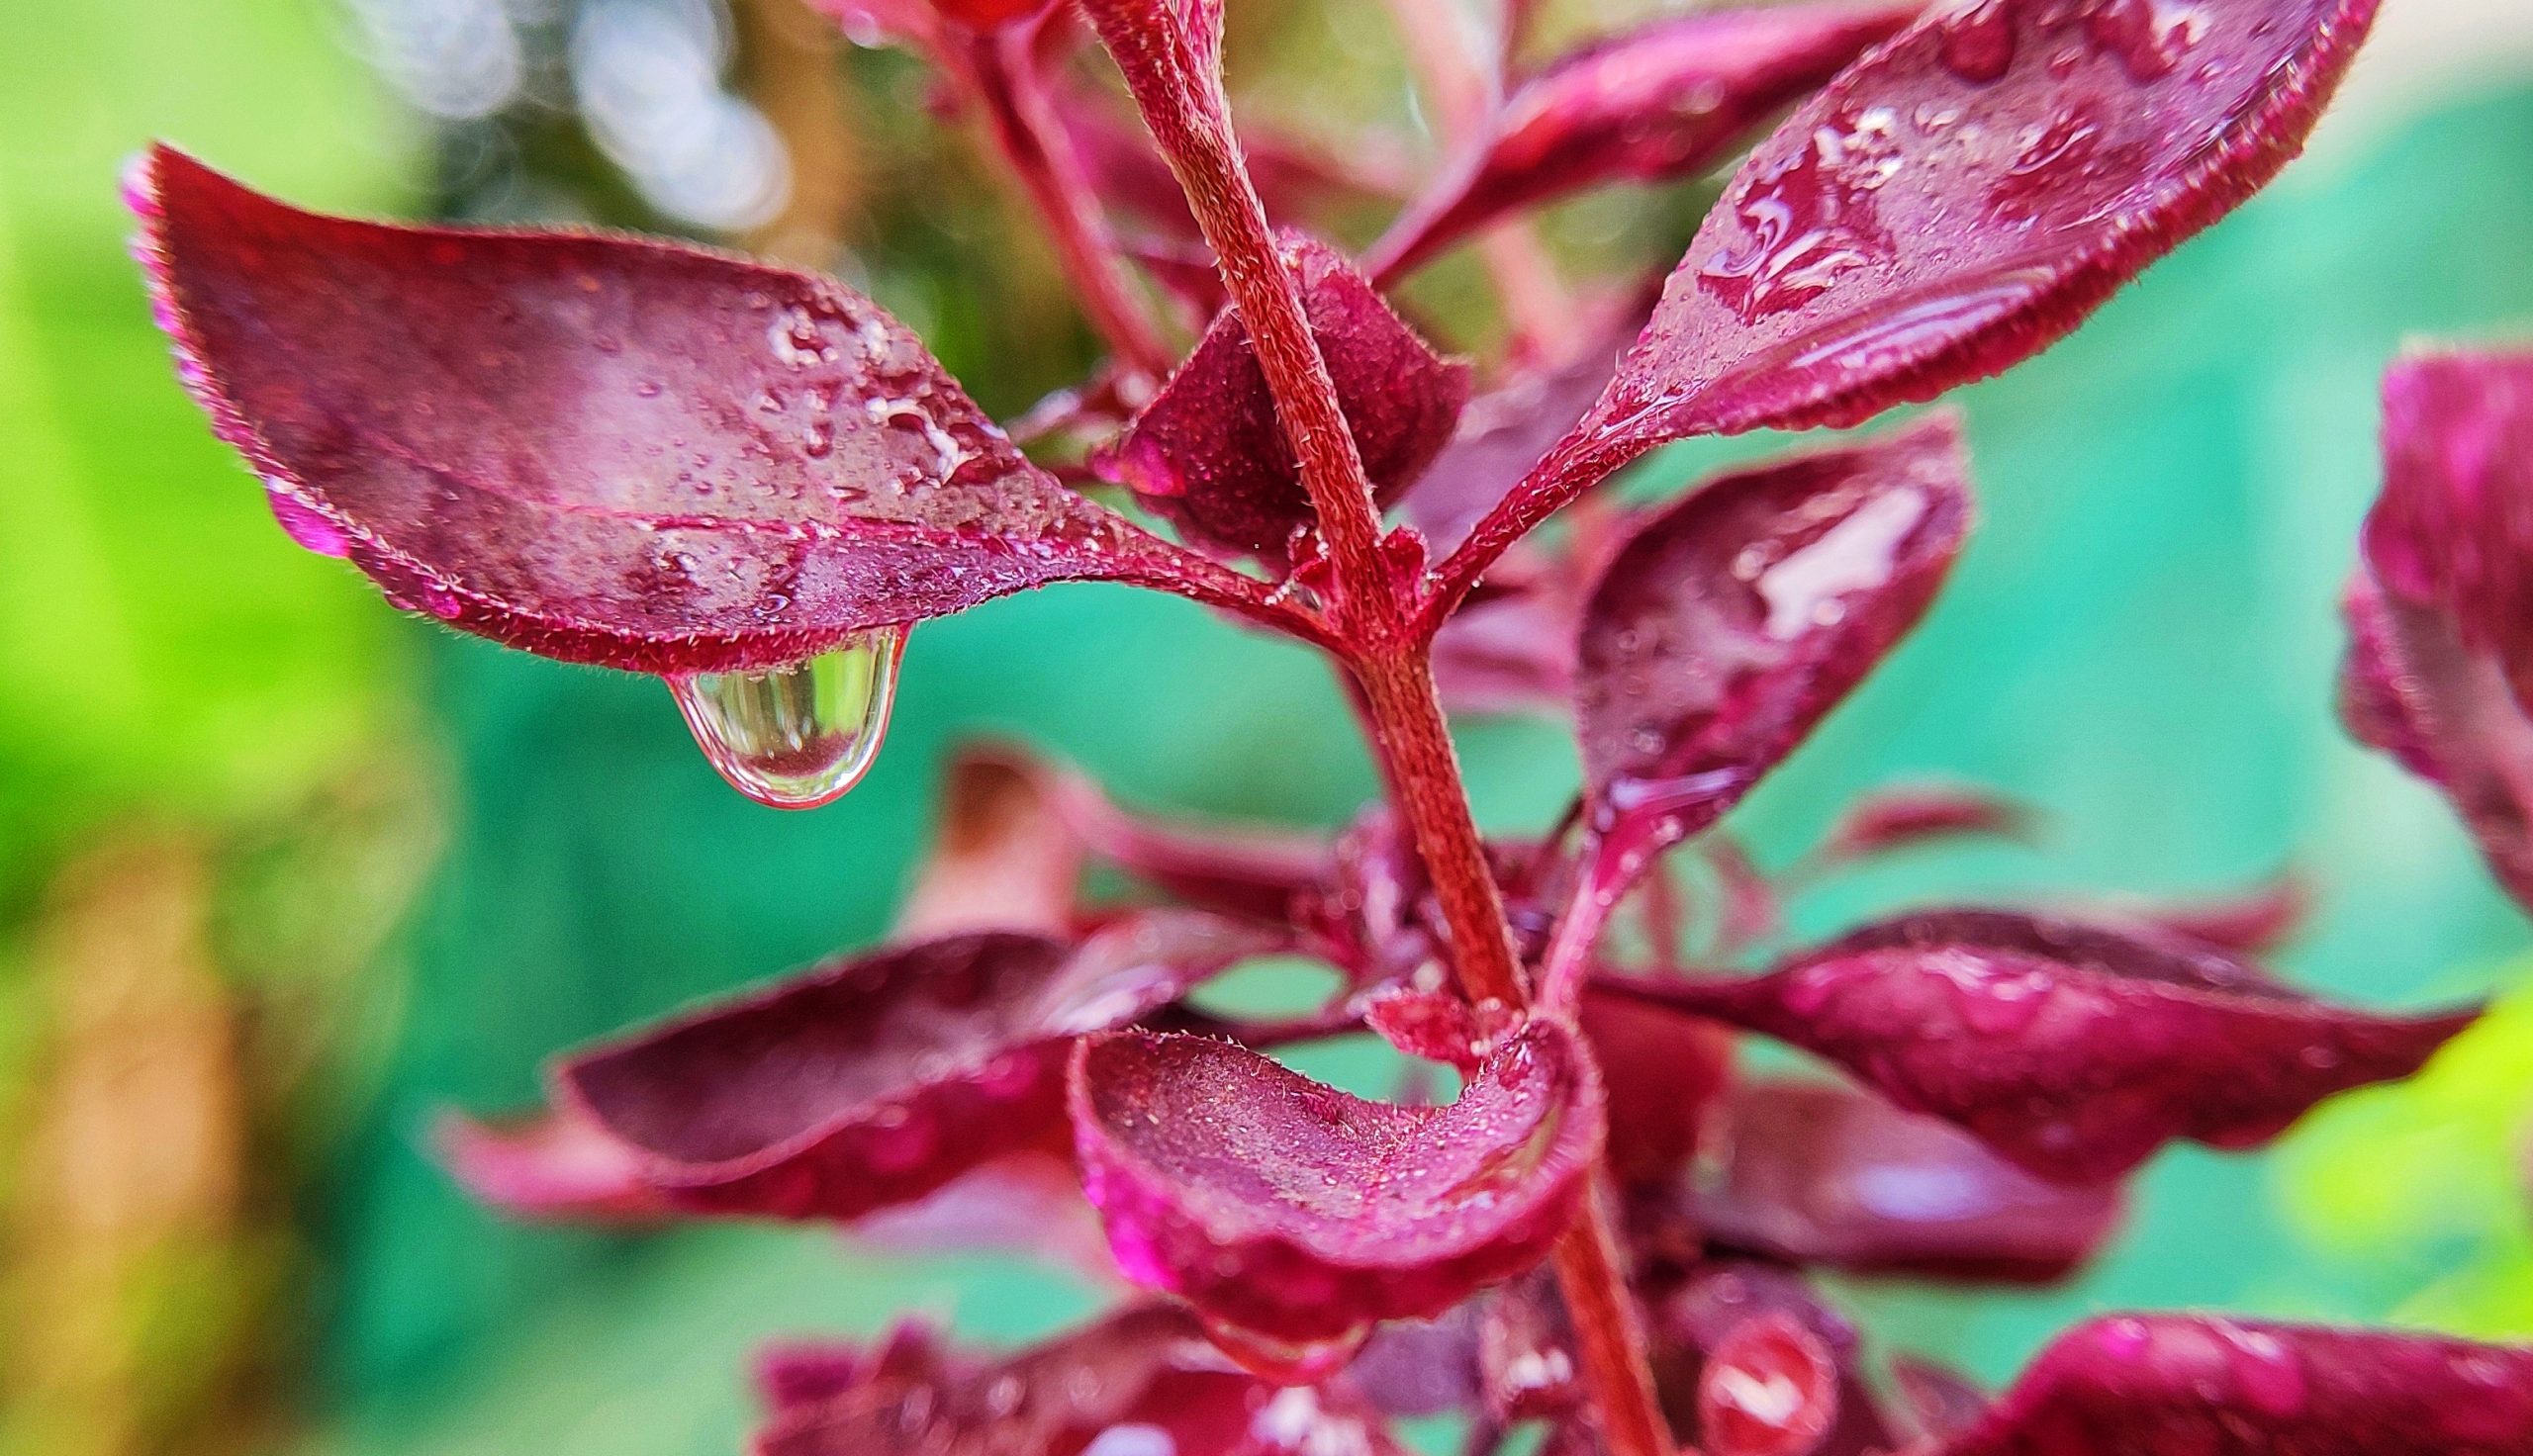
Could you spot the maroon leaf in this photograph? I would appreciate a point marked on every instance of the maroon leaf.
(1732, 622)
(2412, 688)
(2249, 924)
(2221, 1387)
(1823, 1176)
(1662, 101)
(1527, 1370)
(2453, 527)
(1941, 1403)
(1698, 1320)
(548, 1166)
(604, 449)
(1002, 856)
(1770, 1388)
(1954, 202)
(2073, 1061)
(1905, 818)
(1210, 454)
(797, 1374)
(1239, 869)
(1294, 1210)
(1143, 1380)
(2139, 951)
(1661, 1073)
(875, 1079)
(1027, 1203)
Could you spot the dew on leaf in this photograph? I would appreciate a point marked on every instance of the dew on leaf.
(799, 736)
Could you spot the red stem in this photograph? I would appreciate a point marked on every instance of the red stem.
(1181, 95)
(1032, 141)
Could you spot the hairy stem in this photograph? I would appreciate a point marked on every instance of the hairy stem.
(1031, 139)
(1179, 92)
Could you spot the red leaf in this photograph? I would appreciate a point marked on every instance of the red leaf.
(1823, 1176)
(2411, 687)
(1896, 819)
(875, 1079)
(2200, 1387)
(605, 449)
(1666, 101)
(548, 1166)
(1734, 621)
(1953, 203)
(2075, 1060)
(1769, 1388)
(1294, 1210)
(1210, 454)
(1141, 1380)
(2454, 526)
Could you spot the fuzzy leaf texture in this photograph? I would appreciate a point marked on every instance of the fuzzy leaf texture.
(1729, 624)
(1209, 453)
(2073, 1052)
(2200, 1387)
(1140, 1380)
(1953, 203)
(862, 1085)
(1298, 1213)
(604, 449)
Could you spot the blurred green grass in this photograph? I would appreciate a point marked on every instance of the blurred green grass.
(2141, 641)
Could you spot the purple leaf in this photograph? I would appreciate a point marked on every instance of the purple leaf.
(875, 1079)
(1026, 1203)
(1301, 1214)
(604, 449)
(1823, 1176)
(1734, 621)
(2201, 1387)
(1142, 1379)
(1209, 453)
(2453, 527)
(1662, 101)
(2071, 1059)
(1953, 203)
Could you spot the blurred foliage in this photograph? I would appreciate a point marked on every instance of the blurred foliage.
(204, 836)
(2429, 1186)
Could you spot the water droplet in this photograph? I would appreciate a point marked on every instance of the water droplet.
(1979, 43)
(1808, 220)
(799, 736)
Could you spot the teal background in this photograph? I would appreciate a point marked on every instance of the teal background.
(2141, 641)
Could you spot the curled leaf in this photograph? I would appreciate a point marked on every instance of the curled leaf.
(1823, 1176)
(2077, 1059)
(875, 1079)
(1296, 1212)
(1953, 203)
(1661, 102)
(2224, 1388)
(2413, 688)
(1210, 454)
(2454, 526)
(604, 449)
(1730, 623)
(1897, 819)
(1786, 1325)
(1770, 1388)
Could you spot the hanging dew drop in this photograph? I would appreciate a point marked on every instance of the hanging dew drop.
(799, 736)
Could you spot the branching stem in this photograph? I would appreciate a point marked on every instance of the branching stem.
(1179, 91)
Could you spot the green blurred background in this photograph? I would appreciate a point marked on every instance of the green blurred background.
(282, 874)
